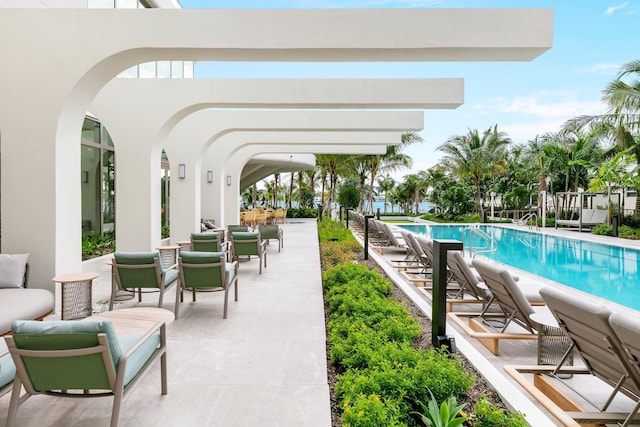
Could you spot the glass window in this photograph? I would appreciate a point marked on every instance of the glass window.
(106, 138)
(148, 70)
(188, 69)
(164, 69)
(90, 182)
(131, 73)
(176, 69)
(91, 131)
(108, 191)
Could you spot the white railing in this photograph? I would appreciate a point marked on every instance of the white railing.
(484, 243)
(530, 219)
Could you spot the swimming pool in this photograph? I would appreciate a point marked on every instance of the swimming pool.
(609, 272)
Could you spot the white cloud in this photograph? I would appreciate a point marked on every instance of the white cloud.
(548, 108)
(612, 9)
(604, 69)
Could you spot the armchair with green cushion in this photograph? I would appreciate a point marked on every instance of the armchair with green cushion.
(271, 232)
(206, 271)
(236, 227)
(207, 242)
(142, 271)
(84, 358)
(248, 243)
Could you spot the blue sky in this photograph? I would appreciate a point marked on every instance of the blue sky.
(591, 40)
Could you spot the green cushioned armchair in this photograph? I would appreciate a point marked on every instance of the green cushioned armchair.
(207, 242)
(142, 271)
(271, 232)
(206, 271)
(84, 358)
(248, 243)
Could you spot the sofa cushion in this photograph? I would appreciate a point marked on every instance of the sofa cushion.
(23, 304)
(12, 269)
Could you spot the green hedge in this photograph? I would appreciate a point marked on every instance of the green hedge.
(372, 337)
(382, 375)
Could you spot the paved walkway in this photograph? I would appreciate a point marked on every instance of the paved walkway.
(265, 365)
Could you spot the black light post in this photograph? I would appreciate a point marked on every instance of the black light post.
(366, 236)
(439, 308)
(347, 214)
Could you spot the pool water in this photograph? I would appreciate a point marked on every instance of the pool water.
(608, 272)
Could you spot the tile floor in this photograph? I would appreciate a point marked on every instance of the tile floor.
(265, 365)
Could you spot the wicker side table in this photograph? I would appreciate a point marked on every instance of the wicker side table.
(77, 302)
(168, 255)
(553, 343)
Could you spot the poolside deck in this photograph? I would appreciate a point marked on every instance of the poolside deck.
(516, 352)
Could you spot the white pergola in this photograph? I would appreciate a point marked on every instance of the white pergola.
(52, 75)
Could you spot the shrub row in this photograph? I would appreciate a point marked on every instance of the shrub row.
(383, 376)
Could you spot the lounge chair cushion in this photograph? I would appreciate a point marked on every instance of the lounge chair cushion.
(12, 269)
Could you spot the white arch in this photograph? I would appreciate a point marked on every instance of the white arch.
(139, 138)
(50, 81)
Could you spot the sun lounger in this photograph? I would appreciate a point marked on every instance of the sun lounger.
(515, 315)
(608, 345)
(588, 218)
(389, 239)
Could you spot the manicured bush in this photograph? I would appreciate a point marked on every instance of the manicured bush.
(335, 253)
(487, 415)
(329, 230)
(95, 245)
(631, 220)
(603, 230)
(626, 232)
(368, 411)
(302, 212)
(383, 376)
(372, 340)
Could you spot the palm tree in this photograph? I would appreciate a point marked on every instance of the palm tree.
(475, 156)
(385, 185)
(393, 160)
(621, 124)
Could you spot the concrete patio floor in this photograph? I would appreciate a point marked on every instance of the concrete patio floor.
(265, 365)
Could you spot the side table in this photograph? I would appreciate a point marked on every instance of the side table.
(169, 255)
(77, 302)
(184, 245)
(553, 343)
(136, 320)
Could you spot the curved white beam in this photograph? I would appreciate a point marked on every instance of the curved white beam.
(58, 76)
